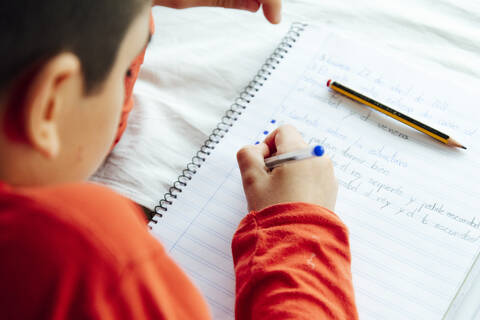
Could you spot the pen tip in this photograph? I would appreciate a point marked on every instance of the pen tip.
(328, 83)
(463, 147)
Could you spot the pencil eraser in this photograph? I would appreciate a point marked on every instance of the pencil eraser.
(318, 151)
(328, 83)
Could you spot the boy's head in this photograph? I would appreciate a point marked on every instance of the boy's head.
(63, 65)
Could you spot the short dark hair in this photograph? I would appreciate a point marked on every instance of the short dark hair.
(32, 31)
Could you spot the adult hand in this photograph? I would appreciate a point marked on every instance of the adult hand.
(312, 180)
(271, 8)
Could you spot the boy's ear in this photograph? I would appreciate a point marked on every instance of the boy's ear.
(44, 98)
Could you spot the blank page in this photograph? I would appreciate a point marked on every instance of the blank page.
(410, 203)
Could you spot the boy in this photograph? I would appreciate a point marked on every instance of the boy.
(73, 250)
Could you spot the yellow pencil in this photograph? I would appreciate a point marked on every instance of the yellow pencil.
(437, 135)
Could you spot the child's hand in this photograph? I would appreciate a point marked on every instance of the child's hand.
(311, 180)
(271, 8)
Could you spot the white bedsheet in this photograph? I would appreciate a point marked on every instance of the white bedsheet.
(200, 59)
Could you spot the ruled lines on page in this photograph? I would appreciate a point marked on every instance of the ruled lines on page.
(410, 203)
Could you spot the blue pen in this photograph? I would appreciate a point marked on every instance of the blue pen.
(275, 161)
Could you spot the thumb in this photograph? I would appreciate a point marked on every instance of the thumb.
(251, 161)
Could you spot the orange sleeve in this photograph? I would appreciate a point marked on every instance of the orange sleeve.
(292, 261)
(83, 252)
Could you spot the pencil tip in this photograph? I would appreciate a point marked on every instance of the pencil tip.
(455, 144)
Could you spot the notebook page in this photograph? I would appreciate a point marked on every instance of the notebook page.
(410, 203)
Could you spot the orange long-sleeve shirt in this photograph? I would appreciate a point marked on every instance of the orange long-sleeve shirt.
(292, 261)
(81, 251)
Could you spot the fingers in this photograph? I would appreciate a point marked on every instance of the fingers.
(251, 162)
(250, 5)
(285, 139)
(231, 4)
(272, 9)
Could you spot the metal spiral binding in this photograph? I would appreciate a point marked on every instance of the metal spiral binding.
(227, 121)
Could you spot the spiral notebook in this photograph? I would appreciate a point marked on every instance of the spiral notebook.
(410, 203)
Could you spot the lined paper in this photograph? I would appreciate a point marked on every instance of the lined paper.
(411, 204)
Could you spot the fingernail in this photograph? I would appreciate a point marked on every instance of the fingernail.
(276, 16)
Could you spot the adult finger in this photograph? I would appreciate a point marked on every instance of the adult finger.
(272, 9)
(251, 5)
